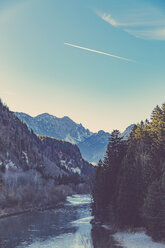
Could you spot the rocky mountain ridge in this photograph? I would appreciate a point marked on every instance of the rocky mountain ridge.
(60, 128)
(92, 145)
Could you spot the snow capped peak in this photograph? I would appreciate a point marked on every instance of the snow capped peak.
(52, 126)
(127, 131)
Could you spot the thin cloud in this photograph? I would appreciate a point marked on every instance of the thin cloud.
(99, 52)
(108, 18)
(154, 34)
(138, 22)
(146, 23)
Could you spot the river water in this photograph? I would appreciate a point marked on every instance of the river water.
(66, 227)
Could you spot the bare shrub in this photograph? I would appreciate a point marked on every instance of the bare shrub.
(28, 190)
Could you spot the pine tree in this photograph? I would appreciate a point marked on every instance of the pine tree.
(106, 176)
(130, 183)
(99, 194)
(129, 195)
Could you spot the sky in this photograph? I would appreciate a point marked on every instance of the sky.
(100, 62)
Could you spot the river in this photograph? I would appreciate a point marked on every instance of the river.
(65, 227)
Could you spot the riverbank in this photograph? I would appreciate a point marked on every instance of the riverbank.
(57, 200)
(72, 197)
(135, 237)
(136, 240)
(18, 211)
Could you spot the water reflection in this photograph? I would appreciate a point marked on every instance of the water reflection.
(35, 226)
(66, 227)
(102, 238)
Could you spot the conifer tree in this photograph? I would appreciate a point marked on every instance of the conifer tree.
(99, 191)
(154, 211)
(130, 183)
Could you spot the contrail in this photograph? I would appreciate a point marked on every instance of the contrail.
(95, 51)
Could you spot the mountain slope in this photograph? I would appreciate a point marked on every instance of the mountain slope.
(59, 128)
(127, 131)
(22, 149)
(92, 145)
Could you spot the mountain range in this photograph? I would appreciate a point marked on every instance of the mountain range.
(92, 145)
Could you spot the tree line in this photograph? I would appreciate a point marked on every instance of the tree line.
(129, 185)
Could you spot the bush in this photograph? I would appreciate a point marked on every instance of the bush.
(28, 190)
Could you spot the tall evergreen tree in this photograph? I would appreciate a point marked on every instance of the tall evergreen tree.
(154, 210)
(106, 176)
(130, 184)
(99, 190)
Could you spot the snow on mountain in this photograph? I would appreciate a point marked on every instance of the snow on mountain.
(22, 149)
(127, 131)
(92, 145)
(60, 128)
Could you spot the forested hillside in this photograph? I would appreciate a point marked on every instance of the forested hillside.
(35, 171)
(129, 187)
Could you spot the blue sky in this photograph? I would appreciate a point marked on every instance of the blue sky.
(39, 73)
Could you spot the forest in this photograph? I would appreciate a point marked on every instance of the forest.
(129, 185)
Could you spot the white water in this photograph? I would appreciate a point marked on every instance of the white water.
(78, 199)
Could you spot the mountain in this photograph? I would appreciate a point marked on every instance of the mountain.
(127, 131)
(37, 172)
(59, 128)
(92, 145)
(66, 155)
(22, 149)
